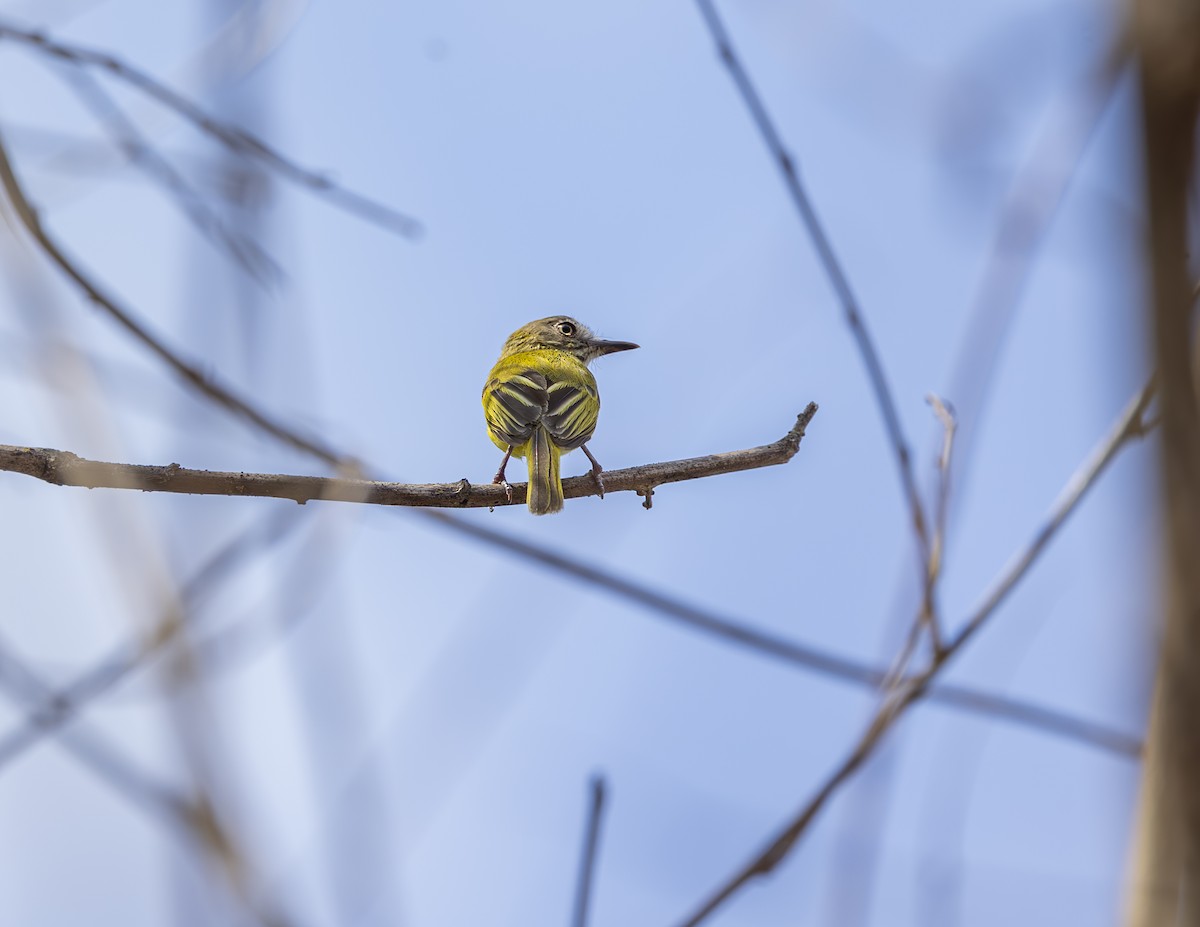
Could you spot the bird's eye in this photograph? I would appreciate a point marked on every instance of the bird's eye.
(566, 328)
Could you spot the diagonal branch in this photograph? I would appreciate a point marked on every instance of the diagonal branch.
(833, 269)
(587, 862)
(66, 469)
(126, 136)
(187, 369)
(232, 137)
(914, 688)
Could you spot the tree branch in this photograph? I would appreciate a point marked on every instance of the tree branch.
(1165, 885)
(63, 468)
(912, 689)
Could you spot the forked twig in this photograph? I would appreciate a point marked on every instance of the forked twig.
(912, 689)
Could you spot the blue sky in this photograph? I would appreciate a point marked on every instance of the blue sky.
(406, 732)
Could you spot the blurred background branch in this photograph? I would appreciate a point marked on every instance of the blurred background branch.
(589, 858)
(236, 139)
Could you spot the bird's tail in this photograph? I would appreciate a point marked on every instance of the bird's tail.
(545, 485)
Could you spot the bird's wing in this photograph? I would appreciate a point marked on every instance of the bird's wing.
(571, 413)
(514, 402)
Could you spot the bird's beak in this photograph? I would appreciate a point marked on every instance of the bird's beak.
(611, 347)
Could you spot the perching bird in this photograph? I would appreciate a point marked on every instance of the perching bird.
(540, 401)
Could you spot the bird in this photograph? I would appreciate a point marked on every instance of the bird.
(540, 401)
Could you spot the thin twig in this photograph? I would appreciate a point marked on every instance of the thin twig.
(587, 861)
(929, 610)
(1131, 425)
(232, 137)
(243, 250)
(927, 619)
(66, 469)
(833, 269)
(914, 688)
(946, 418)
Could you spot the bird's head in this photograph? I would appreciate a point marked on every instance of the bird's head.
(562, 333)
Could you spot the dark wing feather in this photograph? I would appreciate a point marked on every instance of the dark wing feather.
(571, 413)
(514, 405)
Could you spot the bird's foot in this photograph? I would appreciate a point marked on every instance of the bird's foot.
(501, 481)
(596, 471)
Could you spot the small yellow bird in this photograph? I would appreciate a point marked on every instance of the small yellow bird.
(540, 401)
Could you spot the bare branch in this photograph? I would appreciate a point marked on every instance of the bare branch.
(933, 572)
(833, 269)
(587, 861)
(927, 619)
(1131, 425)
(66, 469)
(232, 137)
(914, 688)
